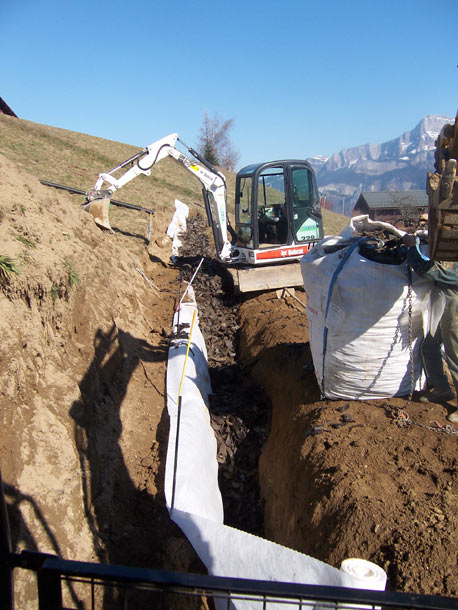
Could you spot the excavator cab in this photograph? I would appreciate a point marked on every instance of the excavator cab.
(277, 212)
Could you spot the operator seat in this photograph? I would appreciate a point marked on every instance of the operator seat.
(273, 227)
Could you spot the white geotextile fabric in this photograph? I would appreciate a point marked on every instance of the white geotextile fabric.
(364, 223)
(367, 346)
(196, 482)
(197, 509)
(177, 225)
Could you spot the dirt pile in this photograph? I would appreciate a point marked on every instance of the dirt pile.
(375, 479)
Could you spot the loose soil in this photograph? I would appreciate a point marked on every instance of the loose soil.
(379, 479)
(83, 432)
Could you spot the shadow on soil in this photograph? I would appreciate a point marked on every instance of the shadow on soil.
(129, 526)
(21, 536)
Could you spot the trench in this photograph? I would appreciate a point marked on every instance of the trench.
(240, 411)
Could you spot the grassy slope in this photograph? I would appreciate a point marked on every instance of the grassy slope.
(75, 159)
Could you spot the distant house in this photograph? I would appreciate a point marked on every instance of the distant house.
(400, 208)
(5, 109)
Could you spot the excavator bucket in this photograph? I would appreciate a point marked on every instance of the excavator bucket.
(271, 277)
(98, 208)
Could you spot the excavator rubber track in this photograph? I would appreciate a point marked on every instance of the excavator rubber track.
(442, 188)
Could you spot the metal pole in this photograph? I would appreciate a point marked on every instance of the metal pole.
(191, 281)
(6, 570)
(122, 204)
(49, 590)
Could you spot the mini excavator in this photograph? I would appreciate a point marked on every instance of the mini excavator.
(277, 212)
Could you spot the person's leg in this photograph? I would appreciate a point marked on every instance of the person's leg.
(449, 329)
(433, 363)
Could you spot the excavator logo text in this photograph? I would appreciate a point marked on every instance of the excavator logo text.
(285, 252)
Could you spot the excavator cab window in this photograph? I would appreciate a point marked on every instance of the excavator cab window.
(270, 205)
(244, 228)
(307, 223)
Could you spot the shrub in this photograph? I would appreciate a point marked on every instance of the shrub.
(7, 267)
(73, 277)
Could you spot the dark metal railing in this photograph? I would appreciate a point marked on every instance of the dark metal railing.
(93, 585)
(53, 572)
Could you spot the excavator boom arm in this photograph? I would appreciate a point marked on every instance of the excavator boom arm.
(141, 164)
(213, 184)
(214, 191)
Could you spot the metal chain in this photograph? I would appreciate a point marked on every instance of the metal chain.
(402, 419)
(447, 429)
(409, 300)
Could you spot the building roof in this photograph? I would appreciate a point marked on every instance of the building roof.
(5, 109)
(394, 199)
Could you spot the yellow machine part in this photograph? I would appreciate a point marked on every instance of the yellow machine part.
(442, 187)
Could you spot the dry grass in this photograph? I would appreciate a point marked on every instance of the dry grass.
(75, 159)
(333, 222)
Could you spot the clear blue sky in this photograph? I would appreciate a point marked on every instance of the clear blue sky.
(299, 78)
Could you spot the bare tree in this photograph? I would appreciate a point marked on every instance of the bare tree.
(229, 157)
(214, 142)
(409, 213)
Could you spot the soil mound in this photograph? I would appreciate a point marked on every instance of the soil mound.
(375, 479)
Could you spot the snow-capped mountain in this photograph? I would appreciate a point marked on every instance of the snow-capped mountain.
(398, 165)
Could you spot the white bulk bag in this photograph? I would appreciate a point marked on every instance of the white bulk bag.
(358, 317)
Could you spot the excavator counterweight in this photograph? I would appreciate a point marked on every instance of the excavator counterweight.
(260, 279)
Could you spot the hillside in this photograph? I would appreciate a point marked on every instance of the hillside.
(83, 430)
(75, 159)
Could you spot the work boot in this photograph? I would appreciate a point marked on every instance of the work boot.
(453, 417)
(437, 396)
